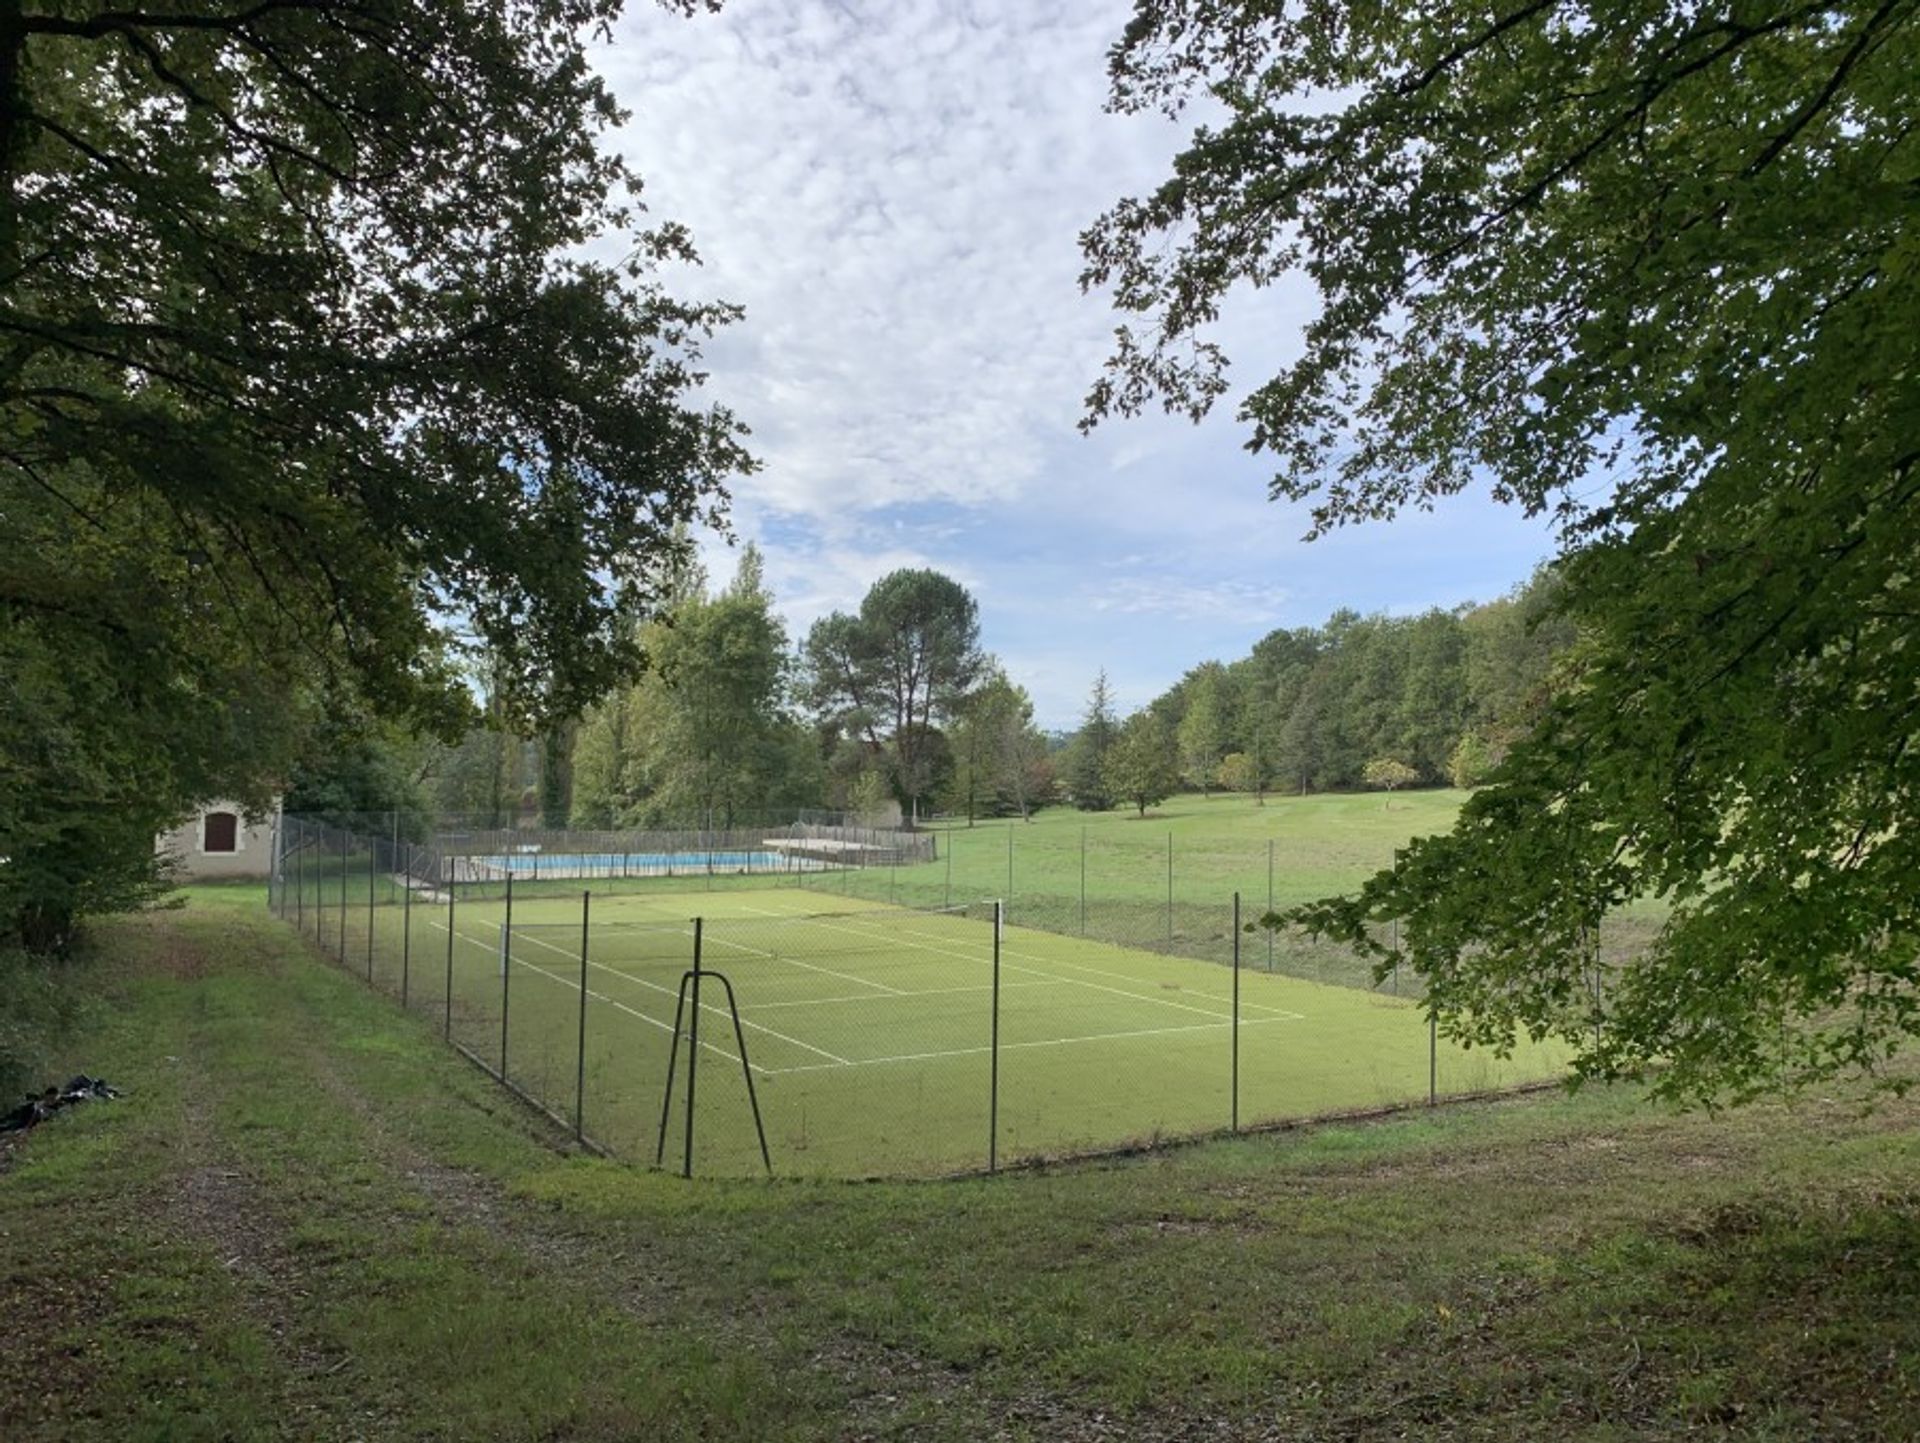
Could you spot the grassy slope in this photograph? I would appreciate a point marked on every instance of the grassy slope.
(307, 1220)
(1322, 845)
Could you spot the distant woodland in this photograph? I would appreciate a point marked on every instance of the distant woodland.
(736, 723)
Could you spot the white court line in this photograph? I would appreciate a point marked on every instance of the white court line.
(1017, 1046)
(672, 992)
(915, 992)
(494, 953)
(1279, 1012)
(807, 966)
(1034, 972)
(1005, 952)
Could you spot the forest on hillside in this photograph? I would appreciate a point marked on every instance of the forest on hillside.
(1441, 693)
(735, 722)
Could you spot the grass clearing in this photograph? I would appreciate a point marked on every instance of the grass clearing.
(309, 1220)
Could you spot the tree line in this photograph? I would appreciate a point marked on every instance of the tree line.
(889, 711)
(301, 354)
(1433, 699)
(896, 705)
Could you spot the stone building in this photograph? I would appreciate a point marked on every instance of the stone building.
(220, 840)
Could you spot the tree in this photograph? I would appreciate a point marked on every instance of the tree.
(1143, 764)
(1512, 645)
(996, 750)
(1470, 761)
(1641, 266)
(706, 737)
(908, 658)
(355, 768)
(1431, 711)
(1203, 729)
(1086, 765)
(1237, 772)
(605, 792)
(556, 775)
(1018, 748)
(723, 665)
(300, 356)
(1388, 773)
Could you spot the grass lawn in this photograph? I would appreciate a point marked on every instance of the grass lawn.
(1320, 845)
(309, 1220)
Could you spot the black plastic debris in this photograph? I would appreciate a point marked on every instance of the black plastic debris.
(38, 1109)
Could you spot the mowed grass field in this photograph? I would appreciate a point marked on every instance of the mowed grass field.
(305, 1219)
(1320, 845)
(869, 1029)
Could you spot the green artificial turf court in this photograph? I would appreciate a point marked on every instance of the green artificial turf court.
(869, 1029)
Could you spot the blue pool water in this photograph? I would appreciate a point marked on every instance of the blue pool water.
(637, 864)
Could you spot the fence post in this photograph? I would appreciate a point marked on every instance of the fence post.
(1169, 891)
(580, 1059)
(693, 1049)
(373, 858)
(1433, 1056)
(1236, 1012)
(1083, 881)
(406, 926)
(1270, 931)
(1599, 987)
(993, 1049)
(345, 838)
(453, 894)
(506, 973)
(949, 901)
(300, 885)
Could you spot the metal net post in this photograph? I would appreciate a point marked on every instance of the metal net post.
(693, 1049)
(580, 1058)
(993, 1071)
(506, 973)
(1236, 1012)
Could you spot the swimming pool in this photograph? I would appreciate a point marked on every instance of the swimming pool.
(632, 864)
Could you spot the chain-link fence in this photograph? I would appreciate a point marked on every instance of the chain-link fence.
(867, 1017)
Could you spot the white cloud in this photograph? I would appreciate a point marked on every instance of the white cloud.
(1238, 601)
(894, 190)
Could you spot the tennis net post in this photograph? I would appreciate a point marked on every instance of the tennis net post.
(993, 1068)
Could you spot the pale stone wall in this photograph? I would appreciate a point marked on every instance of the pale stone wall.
(252, 854)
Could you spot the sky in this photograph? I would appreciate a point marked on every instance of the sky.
(894, 191)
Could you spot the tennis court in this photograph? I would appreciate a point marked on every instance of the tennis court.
(870, 1031)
